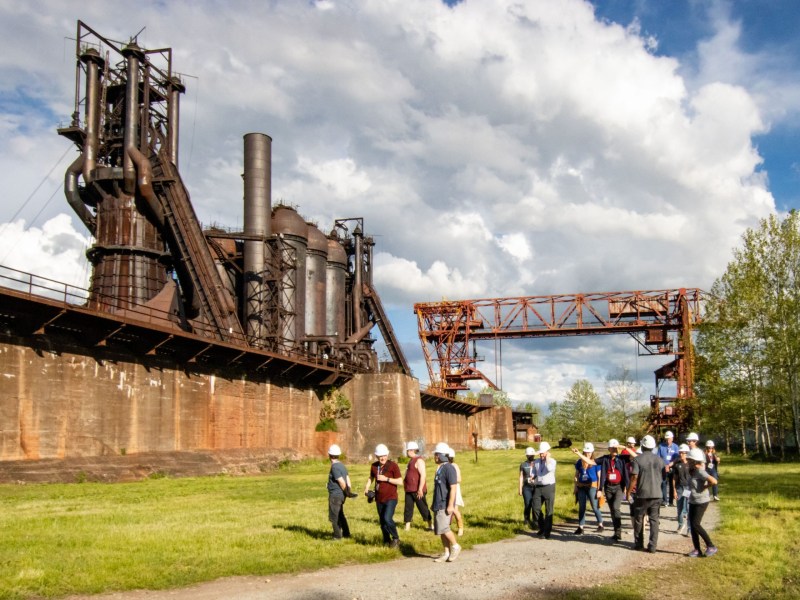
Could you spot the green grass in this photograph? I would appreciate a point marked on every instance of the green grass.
(159, 533)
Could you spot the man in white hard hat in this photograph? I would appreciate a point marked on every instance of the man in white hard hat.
(415, 486)
(544, 491)
(527, 476)
(386, 475)
(444, 500)
(667, 451)
(338, 492)
(645, 487)
(613, 485)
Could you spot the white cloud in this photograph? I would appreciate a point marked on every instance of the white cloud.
(493, 148)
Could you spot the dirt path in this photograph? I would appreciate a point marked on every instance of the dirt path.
(501, 570)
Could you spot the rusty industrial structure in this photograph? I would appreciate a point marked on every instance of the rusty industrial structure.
(198, 345)
(661, 321)
(281, 286)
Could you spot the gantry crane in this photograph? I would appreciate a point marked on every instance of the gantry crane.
(660, 320)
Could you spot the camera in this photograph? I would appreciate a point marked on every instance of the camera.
(371, 496)
(349, 493)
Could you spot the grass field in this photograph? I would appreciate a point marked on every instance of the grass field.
(159, 533)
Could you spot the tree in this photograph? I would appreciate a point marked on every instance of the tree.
(749, 343)
(627, 408)
(581, 415)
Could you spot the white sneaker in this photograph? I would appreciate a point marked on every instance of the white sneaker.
(408, 526)
(454, 552)
(443, 558)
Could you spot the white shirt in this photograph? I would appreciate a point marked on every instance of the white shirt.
(545, 471)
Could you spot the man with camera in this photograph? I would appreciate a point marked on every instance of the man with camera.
(444, 501)
(386, 475)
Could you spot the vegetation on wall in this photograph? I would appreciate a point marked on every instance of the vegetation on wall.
(335, 405)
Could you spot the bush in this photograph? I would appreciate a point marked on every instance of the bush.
(327, 425)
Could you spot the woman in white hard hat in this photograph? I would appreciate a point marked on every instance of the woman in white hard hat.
(586, 482)
(527, 477)
(386, 475)
(699, 499)
(712, 467)
(415, 486)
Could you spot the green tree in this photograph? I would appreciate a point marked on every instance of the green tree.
(628, 409)
(580, 416)
(749, 343)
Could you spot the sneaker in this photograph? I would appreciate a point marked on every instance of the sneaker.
(579, 531)
(443, 558)
(711, 551)
(716, 498)
(454, 552)
(600, 528)
(684, 529)
(617, 537)
(430, 525)
(394, 544)
(651, 550)
(408, 526)
(694, 554)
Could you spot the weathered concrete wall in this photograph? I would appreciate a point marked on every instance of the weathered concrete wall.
(495, 429)
(60, 405)
(386, 409)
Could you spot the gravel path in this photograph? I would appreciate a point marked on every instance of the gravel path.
(501, 570)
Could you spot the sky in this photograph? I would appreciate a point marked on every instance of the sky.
(494, 149)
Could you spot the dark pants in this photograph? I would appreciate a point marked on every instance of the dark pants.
(667, 493)
(696, 512)
(420, 503)
(614, 496)
(649, 507)
(336, 516)
(527, 498)
(386, 517)
(544, 494)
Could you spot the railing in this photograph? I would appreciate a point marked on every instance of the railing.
(36, 285)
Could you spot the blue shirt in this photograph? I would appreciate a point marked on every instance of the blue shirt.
(586, 473)
(444, 478)
(666, 452)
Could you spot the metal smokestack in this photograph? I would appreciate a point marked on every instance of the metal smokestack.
(134, 55)
(257, 211)
(94, 63)
(176, 88)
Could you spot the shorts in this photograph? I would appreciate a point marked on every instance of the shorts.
(441, 522)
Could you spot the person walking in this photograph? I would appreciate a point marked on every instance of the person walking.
(451, 457)
(667, 451)
(338, 492)
(444, 500)
(712, 468)
(699, 499)
(629, 452)
(544, 491)
(527, 475)
(386, 475)
(645, 488)
(614, 484)
(680, 477)
(586, 486)
(416, 487)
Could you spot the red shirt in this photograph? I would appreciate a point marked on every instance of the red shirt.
(386, 491)
(411, 481)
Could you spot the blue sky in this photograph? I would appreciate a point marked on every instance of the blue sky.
(494, 149)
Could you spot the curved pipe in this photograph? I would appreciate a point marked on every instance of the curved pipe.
(145, 182)
(73, 195)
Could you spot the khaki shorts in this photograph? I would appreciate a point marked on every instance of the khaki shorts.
(441, 522)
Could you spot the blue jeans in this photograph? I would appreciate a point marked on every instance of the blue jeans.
(386, 517)
(590, 494)
(683, 507)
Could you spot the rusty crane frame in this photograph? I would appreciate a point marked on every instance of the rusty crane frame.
(661, 321)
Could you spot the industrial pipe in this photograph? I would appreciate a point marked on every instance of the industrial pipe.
(176, 88)
(93, 63)
(133, 54)
(143, 167)
(72, 192)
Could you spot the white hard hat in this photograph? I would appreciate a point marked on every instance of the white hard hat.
(692, 437)
(451, 453)
(683, 448)
(648, 442)
(697, 455)
(588, 447)
(334, 450)
(529, 451)
(544, 447)
(669, 434)
(412, 446)
(441, 448)
(381, 450)
(630, 440)
(710, 444)
(612, 443)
